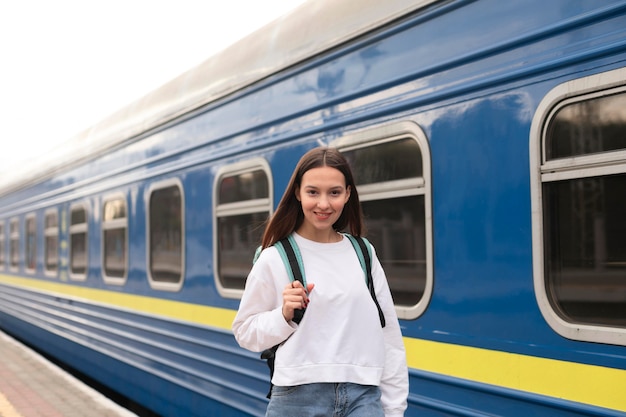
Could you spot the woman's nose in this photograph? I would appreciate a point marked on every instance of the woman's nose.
(322, 202)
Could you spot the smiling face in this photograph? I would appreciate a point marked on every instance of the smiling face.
(323, 195)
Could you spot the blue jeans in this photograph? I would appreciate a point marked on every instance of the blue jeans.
(325, 400)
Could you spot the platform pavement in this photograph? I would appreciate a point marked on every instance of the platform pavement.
(32, 386)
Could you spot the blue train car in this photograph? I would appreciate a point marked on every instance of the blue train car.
(488, 140)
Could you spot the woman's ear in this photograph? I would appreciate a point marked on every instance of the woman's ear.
(297, 193)
(348, 188)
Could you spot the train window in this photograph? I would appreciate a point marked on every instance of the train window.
(2, 247)
(391, 166)
(51, 242)
(14, 244)
(114, 241)
(165, 236)
(78, 242)
(579, 145)
(31, 243)
(242, 206)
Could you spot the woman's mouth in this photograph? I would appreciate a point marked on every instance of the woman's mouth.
(322, 215)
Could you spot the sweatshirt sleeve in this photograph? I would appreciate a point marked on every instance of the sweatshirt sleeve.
(394, 385)
(259, 323)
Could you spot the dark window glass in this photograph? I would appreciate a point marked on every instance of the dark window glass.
(166, 234)
(115, 253)
(588, 127)
(31, 243)
(238, 238)
(247, 186)
(78, 241)
(585, 260)
(14, 244)
(51, 242)
(78, 261)
(388, 161)
(396, 229)
(78, 216)
(114, 226)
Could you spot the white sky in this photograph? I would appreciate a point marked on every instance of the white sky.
(67, 64)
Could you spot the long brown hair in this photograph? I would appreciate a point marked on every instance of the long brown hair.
(289, 216)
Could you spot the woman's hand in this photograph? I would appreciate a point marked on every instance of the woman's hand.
(294, 298)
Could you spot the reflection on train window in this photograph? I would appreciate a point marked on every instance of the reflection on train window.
(78, 242)
(587, 127)
(31, 243)
(583, 212)
(165, 236)
(14, 244)
(2, 246)
(114, 241)
(51, 242)
(243, 205)
(393, 185)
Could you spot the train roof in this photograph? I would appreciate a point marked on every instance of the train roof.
(312, 28)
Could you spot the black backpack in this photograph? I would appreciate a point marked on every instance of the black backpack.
(292, 259)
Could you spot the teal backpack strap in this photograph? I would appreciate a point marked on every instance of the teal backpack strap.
(360, 254)
(283, 255)
(289, 252)
(257, 253)
(363, 251)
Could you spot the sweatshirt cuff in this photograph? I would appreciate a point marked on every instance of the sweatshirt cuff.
(284, 328)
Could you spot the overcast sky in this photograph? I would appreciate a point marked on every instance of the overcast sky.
(67, 64)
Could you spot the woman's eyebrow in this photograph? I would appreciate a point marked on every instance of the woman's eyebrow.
(334, 187)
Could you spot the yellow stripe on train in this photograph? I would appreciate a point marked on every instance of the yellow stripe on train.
(589, 384)
(209, 316)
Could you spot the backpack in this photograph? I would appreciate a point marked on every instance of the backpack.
(290, 254)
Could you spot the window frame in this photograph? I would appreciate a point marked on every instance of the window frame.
(50, 232)
(238, 208)
(114, 224)
(577, 167)
(400, 188)
(159, 185)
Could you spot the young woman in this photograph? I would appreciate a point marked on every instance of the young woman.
(339, 360)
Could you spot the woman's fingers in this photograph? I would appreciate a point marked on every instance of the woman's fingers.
(294, 298)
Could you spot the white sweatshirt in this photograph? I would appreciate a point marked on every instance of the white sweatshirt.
(340, 338)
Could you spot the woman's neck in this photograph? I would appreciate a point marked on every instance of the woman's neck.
(320, 236)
